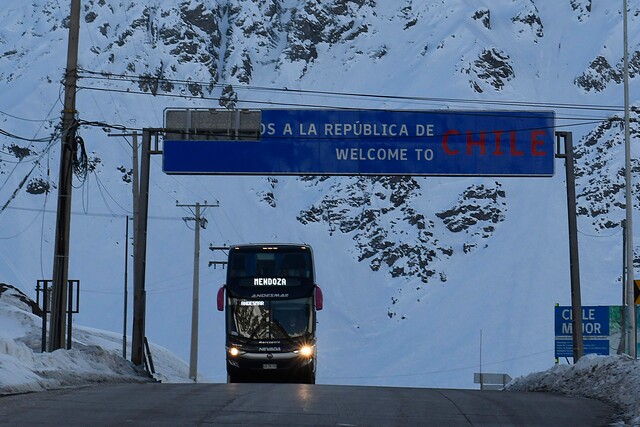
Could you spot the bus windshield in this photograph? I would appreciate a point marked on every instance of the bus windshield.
(270, 319)
(250, 267)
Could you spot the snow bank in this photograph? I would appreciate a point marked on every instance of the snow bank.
(94, 358)
(611, 379)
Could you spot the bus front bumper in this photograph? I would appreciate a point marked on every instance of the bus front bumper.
(269, 363)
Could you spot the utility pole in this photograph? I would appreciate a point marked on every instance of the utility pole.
(141, 211)
(576, 299)
(200, 222)
(631, 312)
(63, 218)
(622, 346)
(126, 293)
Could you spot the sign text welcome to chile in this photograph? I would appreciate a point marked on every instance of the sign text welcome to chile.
(371, 142)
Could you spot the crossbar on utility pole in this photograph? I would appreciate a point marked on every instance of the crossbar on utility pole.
(63, 216)
(193, 356)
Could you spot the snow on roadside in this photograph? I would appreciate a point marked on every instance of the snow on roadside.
(95, 357)
(611, 379)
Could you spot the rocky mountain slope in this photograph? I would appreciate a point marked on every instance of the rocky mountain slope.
(138, 58)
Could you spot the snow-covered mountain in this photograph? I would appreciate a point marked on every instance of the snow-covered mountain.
(414, 270)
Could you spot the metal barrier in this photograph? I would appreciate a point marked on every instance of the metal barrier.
(44, 287)
(491, 381)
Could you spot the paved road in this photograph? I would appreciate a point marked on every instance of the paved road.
(295, 405)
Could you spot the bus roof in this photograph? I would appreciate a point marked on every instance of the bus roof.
(270, 246)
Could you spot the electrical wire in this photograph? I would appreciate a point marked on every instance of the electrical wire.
(442, 371)
(102, 187)
(573, 106)
(26, 177)
(40, 212)
(55, 135)
(25, 119)
(22, 138)
(96, 214)
(80, 163)
(597, 236)
(584, 122)
(337, 107)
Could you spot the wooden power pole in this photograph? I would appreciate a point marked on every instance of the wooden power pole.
(63, 219)
(193, 358)
(631, 312)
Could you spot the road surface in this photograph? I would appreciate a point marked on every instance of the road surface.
(295, 405)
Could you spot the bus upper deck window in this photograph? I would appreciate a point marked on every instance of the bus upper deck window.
(293, 265)
(237, 266)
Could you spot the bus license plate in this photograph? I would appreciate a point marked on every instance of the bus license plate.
(269, 366)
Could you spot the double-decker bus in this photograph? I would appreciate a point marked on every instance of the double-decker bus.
(270, 300)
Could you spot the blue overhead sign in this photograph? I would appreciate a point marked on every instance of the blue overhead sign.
(368, 142)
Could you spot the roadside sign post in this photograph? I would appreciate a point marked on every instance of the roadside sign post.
(491, 381)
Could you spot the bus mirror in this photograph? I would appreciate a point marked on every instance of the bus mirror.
(319, 298)
(221, 299)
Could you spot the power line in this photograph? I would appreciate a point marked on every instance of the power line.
(441, 371)
(40, 212)
(23, 138)
(96, 214)
(584, 121)
(26, 177)
(54, 136)
(138, 78)
(334, 94)
(102, 187)
(25, 119)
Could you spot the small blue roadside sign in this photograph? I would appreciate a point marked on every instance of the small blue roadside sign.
(595, 330)
(375, 142)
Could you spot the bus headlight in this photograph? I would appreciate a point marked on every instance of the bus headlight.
(306, 351)
(233, 352)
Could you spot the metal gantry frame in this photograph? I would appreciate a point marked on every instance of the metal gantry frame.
(151, 145)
